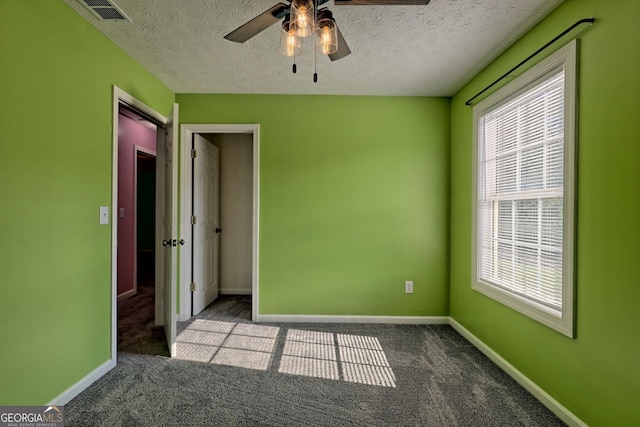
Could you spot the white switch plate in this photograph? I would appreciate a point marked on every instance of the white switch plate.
(104, 214)
(408, 287)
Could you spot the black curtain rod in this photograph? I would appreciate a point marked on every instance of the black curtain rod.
(555, 39)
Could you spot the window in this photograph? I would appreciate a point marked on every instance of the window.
(524, 192)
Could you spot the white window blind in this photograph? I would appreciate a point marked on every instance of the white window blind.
(524, 192)
(522, 196)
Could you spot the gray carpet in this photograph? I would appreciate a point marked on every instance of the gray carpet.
(307, 375)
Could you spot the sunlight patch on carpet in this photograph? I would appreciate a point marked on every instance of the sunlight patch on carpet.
(323, 355)
(242, 358)
(368, 374)
(316, 351)
(226, 343)
(307, 367)
(351, 358)
(195, 352)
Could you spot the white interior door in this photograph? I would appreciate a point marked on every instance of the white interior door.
(167, 160)
(206, 224)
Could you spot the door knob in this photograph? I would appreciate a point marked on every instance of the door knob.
(181, 242)
(166, 242)
(218, 230)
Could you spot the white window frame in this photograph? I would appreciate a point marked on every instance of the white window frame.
(565, 57)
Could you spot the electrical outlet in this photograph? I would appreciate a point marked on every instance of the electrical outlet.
(408, 287)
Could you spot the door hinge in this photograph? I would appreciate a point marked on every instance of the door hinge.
(193, 220)
(194, 153)
(193, 287)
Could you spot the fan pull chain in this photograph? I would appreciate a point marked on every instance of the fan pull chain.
(315, 45)
(315, 72)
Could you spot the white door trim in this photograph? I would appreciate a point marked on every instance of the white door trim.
(186, 133)
(122, 97)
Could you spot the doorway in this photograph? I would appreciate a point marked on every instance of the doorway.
(165, 235)
(222, 210)
(145, 218)
(137, 145)
(232, 141)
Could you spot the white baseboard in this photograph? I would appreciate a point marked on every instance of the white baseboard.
(66, 396)
(398, 320)
(545, 398)
(237, 291)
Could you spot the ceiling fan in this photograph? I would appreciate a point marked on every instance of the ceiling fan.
(300, 20)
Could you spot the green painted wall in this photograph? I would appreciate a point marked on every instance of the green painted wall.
(354, 198)
(364, 196)
(55, 170)
(596, 375)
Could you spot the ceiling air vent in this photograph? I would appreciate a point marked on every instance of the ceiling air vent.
(105, 10)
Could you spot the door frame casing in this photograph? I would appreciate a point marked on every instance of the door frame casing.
(122, 97)
(186, 133)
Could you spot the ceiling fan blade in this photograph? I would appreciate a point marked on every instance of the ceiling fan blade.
(258, 24)
(382, 2)
(343, 48)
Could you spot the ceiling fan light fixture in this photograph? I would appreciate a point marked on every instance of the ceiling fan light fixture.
(303, 17)
(327, 33)
(290, 44)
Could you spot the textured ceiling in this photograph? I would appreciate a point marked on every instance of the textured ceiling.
(396, 50)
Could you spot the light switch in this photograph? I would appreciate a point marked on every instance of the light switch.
(121, 213)
(104, 214)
